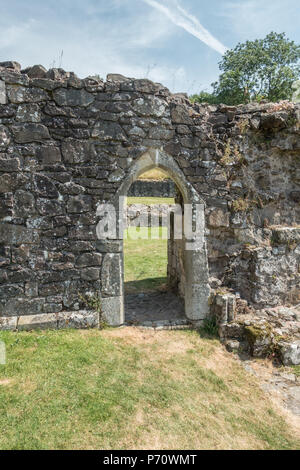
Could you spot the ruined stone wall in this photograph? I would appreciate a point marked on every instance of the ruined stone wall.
(68, 144)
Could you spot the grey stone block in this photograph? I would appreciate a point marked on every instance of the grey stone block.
(17, 235)
(113, 310)
(81, 319)
(43, 321)
(2, 92)
(70, 97)
(111, 275)
(30, 132)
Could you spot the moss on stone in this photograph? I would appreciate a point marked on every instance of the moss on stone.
(253, 333)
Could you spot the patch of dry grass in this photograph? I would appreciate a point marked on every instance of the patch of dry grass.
(132, 388)
(154, 174)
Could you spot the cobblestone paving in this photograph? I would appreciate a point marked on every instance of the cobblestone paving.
(155, 309)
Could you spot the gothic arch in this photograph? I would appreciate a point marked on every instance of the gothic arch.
(196, 291)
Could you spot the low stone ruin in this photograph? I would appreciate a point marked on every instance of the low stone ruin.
(267, 333)
(68, 145)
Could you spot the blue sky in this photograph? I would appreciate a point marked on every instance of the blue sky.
(176, 42)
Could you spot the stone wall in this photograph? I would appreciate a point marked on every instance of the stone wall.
(152, 188)
(69, 144)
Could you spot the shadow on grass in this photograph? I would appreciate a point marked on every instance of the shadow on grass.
(146, 285)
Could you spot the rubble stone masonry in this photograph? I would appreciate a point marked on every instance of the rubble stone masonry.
(69, 144)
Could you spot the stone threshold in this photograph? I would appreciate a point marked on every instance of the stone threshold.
(81, 319)
(183, 324)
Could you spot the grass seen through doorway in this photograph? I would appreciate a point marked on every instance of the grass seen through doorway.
(146, 253)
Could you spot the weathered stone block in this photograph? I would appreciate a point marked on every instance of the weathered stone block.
(45, 187)
(45, 290)
(49, 154)
(2, 92)
(9, 164)
(42, 321)
(13, 78)
(76, 151)
(71, 97)
(11, 65)
(180, 115)
(137, 131)
(93, 84)
(7, 111)
(36, 71)
(19, 94)
(116, 176)
(52, 308)
(290, 353)
(31, 289)
(8, 323)
(49, 85)
(150, 106)
(31, 132)
(11, 290)
(28, 113)
(113, 310)
(90, 274)
(24, 203)
(232, 345)
(4, 137)
(295, 196)
(81, 319)
(50, 207)
(79, 204)
(260, 340)
(21, 306)
(89, 259)
(106, 130)
(285, 235)
(109, 246)
(218, 218)
(83, 233)
(111, 275)
(160, 133)
(16, 234)
(273, 121)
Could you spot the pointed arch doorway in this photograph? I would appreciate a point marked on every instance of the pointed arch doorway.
(194, 275)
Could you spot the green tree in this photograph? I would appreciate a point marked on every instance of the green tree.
(205, 97)
(264, 68)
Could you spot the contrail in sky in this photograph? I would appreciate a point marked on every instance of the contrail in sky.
(182, 18)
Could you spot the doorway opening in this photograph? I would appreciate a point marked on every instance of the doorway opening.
(151, 292)
(187, 270)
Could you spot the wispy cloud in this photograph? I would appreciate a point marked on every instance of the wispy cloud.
(250, 19)
(91, 42)
(189, 23)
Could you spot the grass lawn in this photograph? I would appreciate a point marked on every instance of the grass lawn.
(131, 389)
(145, 260)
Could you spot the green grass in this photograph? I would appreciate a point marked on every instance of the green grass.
(131, 389)
(296, 370)
(150, 201)
(145, 260)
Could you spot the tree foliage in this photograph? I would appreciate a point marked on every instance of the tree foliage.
(205, 97)
(261, 69)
